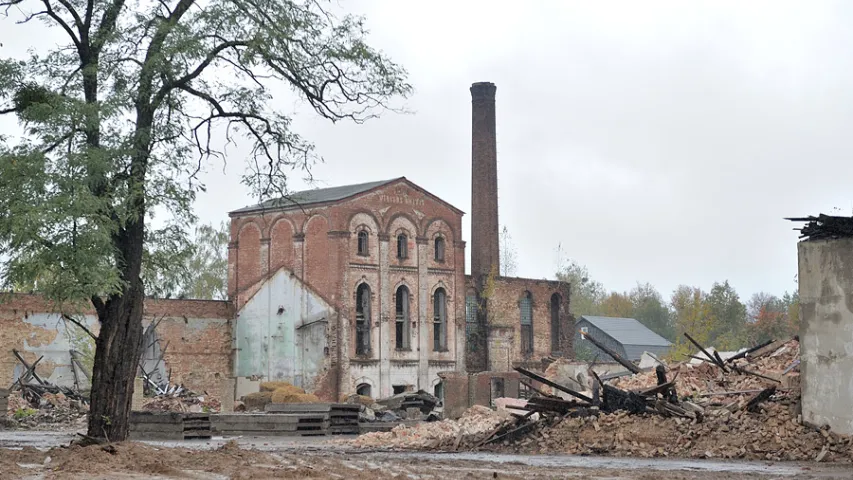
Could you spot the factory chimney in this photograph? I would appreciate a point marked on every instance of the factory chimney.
(485, 250)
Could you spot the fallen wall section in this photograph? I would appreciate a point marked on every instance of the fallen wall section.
(826, 332)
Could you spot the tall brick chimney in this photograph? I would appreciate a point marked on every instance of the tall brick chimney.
(485, 250)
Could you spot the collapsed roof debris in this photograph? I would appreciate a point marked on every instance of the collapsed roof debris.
(824, 227)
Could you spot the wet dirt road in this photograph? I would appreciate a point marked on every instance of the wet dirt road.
(319, 458)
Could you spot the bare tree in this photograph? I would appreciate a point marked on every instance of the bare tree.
(509, 264)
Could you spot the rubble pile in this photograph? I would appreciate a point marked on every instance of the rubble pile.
(412, 406)
(774, 433)
(47, 410)
(475, 425)
(746, 406)
(187, 402)
(701, 379)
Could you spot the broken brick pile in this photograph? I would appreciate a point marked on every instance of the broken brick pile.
(477, 423)
(48, 412)
(730, 421)
(774, 433)
(701, 379)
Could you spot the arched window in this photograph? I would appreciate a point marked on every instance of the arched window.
(362, 320)
(526, 307)
(402, 246)
(556, 331)
(439, 249)
(363, 248)
(439, 309)
(402, 317)
(363, 389)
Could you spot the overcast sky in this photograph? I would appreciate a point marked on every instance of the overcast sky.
(654, 141)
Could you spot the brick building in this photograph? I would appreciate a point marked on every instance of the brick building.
(359, 288)
(383, 264)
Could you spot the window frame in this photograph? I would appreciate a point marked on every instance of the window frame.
(402, 246)
(526, 323)
(439, 249)
(363, 319)
(365, 252)
(402, 319)
(439, 320)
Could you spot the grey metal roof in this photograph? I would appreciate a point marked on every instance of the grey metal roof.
(318, 195)
(627, 331)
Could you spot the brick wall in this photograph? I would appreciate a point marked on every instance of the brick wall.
(324, 240)
(198, 334)
(503, 311)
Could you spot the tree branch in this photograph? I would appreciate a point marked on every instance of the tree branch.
(78, 22)
(165, 89)
(52, 14)
(99, 305)
(79, 324)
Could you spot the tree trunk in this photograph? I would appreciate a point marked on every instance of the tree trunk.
(119, 345)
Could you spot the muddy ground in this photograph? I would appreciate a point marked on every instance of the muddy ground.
(34, 455)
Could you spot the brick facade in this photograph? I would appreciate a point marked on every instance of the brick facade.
(502, 301)
(319, 244)
(197, 332)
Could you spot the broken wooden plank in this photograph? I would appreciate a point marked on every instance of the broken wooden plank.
(744, 353)
(29, 372)
(545, 381)
(615, 356)
(752, 405)
(700, 347)
(750, 372)
(669, 392)
(531, 387)
(616, 399)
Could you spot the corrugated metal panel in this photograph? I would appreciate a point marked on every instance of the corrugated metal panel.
(627, 331)
(634, 352)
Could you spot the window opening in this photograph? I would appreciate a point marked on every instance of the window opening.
(362, 320)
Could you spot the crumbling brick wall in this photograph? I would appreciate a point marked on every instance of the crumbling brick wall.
(198, 334)
(549, 302)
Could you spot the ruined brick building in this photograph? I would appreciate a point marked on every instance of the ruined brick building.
(363, 287)
(358, 288)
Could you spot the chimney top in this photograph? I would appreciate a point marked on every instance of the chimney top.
(483, 91)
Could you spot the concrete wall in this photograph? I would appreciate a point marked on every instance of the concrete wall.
(826, 332)
(280, 333)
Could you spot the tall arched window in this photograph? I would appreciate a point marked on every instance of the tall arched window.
(362, 319)
(526, 307)
(439, 324)
(402, 246)
(402, 317)
(556, 331)
(439, 249)
(363, 248)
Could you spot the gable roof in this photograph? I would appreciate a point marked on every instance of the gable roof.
(328, 195)
(627, 331)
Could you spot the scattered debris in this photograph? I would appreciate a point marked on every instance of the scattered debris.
(477, 424)
(825, 226)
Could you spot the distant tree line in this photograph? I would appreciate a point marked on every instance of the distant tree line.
(717, 318)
